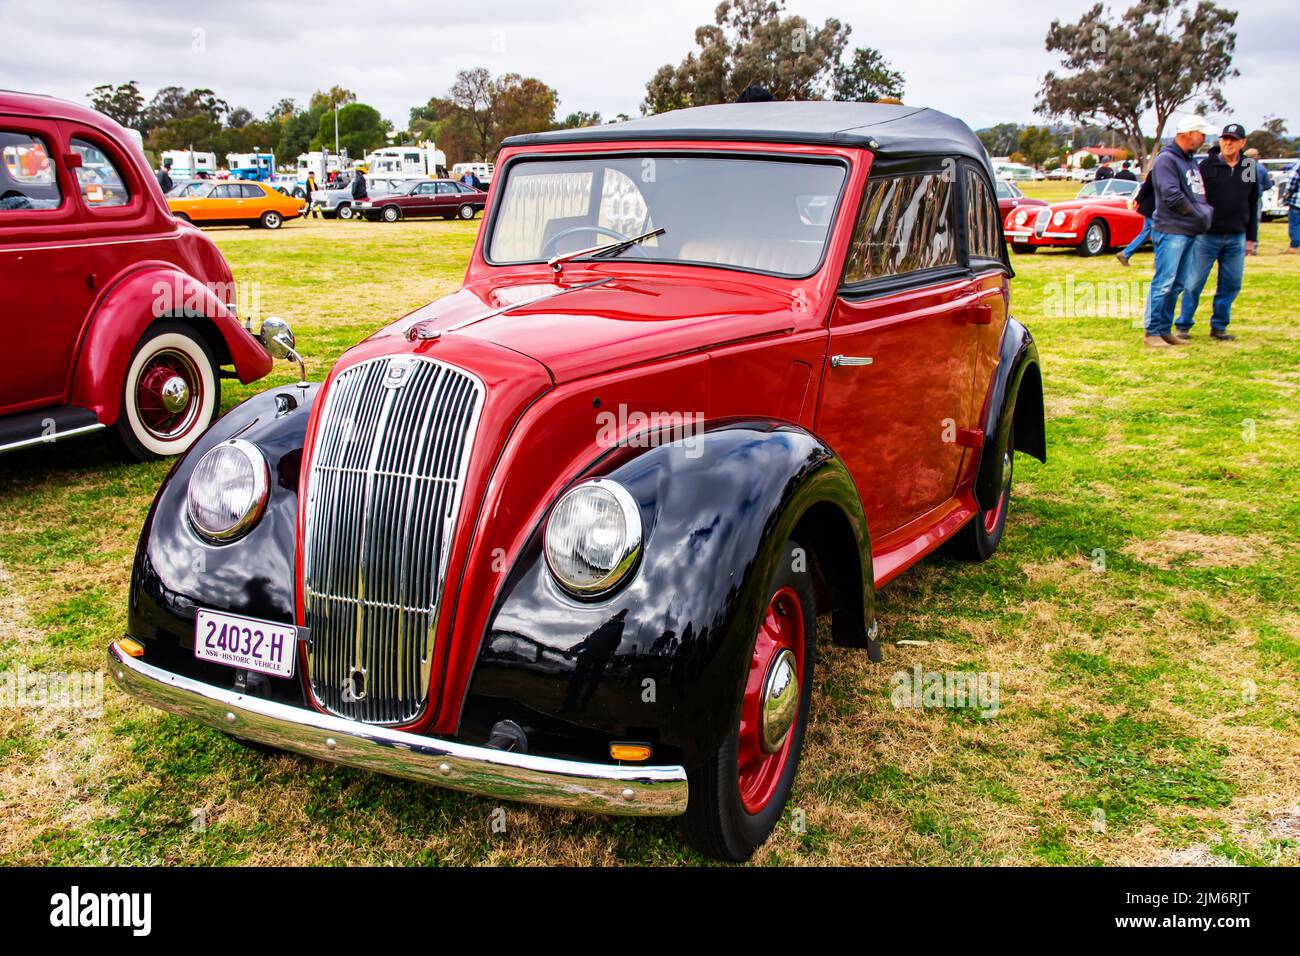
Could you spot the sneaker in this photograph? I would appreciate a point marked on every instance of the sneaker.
(1155, 341)
(1223, 336)
(1123, 259)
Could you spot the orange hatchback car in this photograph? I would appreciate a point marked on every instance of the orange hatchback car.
(234, 204)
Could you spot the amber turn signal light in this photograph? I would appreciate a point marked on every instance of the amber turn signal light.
(632, 752)
(130, 648)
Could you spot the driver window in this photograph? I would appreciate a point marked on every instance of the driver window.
(27, 179)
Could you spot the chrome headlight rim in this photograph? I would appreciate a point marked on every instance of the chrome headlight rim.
(629, 554)
(257, 501)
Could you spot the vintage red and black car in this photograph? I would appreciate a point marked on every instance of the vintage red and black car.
(116, 315)
(1010, 197)
(1095, 220)
(423, 199)
(564, 535)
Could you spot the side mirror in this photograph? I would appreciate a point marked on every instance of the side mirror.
(278, 340)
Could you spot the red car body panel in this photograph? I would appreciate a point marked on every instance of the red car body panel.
(86, 281)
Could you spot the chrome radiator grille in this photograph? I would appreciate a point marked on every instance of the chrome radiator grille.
(385, 482)
(1042, 222)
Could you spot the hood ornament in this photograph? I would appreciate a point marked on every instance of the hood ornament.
(422, 331)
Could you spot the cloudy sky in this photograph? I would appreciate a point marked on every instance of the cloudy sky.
(980, 61)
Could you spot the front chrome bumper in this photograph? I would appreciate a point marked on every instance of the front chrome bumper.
(597, 788)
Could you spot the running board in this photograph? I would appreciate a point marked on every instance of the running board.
(45, 425)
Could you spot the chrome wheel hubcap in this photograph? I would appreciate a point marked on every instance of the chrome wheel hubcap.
(175, 394)
(780, 700)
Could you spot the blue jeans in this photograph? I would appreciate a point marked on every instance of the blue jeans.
(1172, 255)
(1229, 251)
(1136, 244)
(1293, 226)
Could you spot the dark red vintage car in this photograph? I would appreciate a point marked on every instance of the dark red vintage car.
(439, 197)
(564, 535)
(116, 315)
(1010, 197)
(1095, 220)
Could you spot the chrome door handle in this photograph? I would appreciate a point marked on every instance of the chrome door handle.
(838, 360)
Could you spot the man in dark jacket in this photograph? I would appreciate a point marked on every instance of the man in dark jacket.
(1127, 172)
(1232, 189)
(359, 184)
(1181, 214)
(1104, 172)
(164, 176)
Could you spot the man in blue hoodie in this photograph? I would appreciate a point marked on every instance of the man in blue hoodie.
(1181, 214)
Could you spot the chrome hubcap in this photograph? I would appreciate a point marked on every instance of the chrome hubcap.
(175, 394)
(780, 700)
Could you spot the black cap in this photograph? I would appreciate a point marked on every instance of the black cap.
(1233, 131)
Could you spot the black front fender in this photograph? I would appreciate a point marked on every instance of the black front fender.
(176, 572)
(663, 659)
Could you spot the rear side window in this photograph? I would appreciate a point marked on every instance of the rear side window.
(907, 224)
(27, 177)
(981, 219)
(101, 183)
(227, 191)
(251, 191)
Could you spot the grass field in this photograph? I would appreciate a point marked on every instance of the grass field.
(1142, 616)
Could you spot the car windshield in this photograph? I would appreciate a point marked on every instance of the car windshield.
(1108, 189)
(1006, 190)
(758, 215)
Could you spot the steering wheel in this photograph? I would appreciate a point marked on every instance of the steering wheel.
(548, 247)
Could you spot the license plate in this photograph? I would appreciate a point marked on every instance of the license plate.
(245, 642)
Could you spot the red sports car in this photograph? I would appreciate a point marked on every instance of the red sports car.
(439, 197)
(1095, 220)
(116, 315)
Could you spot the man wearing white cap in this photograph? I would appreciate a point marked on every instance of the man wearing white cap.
(1181, 214)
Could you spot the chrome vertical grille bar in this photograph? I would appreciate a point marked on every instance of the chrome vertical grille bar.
(385, 483)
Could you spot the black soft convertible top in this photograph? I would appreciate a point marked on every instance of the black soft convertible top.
(883, 128)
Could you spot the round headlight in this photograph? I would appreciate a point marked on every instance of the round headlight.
(1021, 217)
(228, 490)
(1058, 219)
(593, 537)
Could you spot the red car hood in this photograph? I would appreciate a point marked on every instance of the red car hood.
(1072, 204)
(597, 324)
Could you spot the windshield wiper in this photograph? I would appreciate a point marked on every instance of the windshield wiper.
(608, 249)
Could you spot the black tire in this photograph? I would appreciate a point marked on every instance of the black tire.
(391, 213)
(716, 822)
(1022, 250)
(299, 193)
(1096, 239)
(329, 214)
(981, 535)
(466, 211)
(168, 340)
(345, 211)
(182, 217)
(271, 220)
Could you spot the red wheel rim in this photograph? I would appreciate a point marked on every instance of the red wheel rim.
(156, 394)
(781, 629)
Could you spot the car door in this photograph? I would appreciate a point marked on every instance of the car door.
(420, 201)
(896, 401)
(45, 264)
(223, 204)
(447, 199)
(256, 199)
